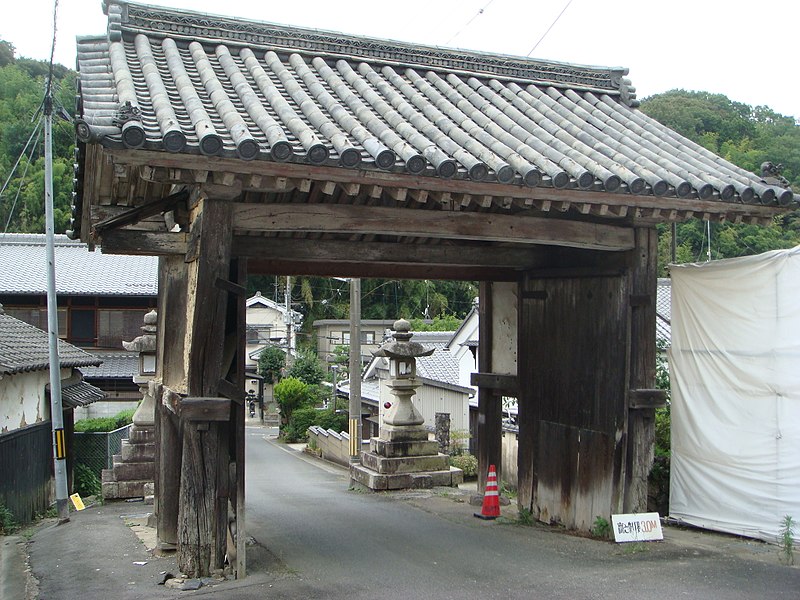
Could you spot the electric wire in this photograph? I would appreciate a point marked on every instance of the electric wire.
(544, 35)
(468, 23)
(38, 131)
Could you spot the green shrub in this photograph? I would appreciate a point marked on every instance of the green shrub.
(290, 394)
(124, 417)
(332, 420)
(7, 523)
(467, 463)
(296, 430)
(86, 482)
(459, 442)
(601, 528)
(105, 424)
(96, 425)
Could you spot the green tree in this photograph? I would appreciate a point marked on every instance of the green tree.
(271, 362)
(290, 394)
(307, 368)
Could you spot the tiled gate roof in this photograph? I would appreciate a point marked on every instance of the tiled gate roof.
(181, 82)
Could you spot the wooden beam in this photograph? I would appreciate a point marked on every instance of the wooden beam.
(431, 184)
(370, 220)
(142, 212)
(647, 398)
(389, 252)
(148, 243)
(495, 381)
(205, 409)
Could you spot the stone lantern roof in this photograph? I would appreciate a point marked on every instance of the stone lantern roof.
(401, 345)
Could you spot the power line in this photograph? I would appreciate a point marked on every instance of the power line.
(536, 45)
(468, 23)
(38, 132)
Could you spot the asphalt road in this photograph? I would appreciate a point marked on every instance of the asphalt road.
(317, 539)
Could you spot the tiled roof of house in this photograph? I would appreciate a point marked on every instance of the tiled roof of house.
(184, 82)
(80, 394)
(24, 348)
(78, 271)
(116, 365)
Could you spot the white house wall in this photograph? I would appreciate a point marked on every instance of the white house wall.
(23, 400)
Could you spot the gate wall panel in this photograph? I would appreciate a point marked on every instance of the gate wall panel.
(573, 352)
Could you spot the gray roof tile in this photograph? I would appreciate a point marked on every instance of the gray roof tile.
(277, 93)
(80, 394)
(116, 365)
(24, 348)
(78, 271)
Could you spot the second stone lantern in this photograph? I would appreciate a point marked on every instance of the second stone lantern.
(402, 456)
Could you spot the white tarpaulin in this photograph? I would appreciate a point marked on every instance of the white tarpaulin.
(735, 373)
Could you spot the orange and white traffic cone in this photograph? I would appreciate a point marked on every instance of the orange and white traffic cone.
(491, 497)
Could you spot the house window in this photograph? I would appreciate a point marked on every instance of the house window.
(259, 334)
(82, 327)
(114, 326)
(367, 337)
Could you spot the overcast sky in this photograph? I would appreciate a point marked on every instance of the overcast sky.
(746, 50)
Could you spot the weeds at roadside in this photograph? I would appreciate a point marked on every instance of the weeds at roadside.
(787, 540)
(601, 528)
(8, 524)
(631, 548)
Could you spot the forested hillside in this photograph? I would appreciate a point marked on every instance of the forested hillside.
(22, 84)
(744, 135)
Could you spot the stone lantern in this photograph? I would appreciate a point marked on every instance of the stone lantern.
(403, 456)
(402, 354)
(133, 471)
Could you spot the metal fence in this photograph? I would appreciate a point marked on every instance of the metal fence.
(97, 450)
(26, 464)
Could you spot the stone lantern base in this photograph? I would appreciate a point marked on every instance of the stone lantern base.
(404, 458)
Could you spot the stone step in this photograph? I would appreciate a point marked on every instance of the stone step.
(123, 489)
(405, 464)
(138, 452)
(400, 481)
(142, 435)
(126, 471)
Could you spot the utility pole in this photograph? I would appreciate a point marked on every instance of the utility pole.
(355, 371)
(56, 410)
(289, 320)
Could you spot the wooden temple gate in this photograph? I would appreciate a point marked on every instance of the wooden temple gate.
(228, 147)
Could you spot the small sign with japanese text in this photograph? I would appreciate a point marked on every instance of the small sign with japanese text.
(640, 527)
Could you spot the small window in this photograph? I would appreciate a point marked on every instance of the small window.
(82, 327)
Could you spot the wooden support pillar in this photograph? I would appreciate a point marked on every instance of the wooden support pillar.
(641, 418)
(490, 409)
(171, 372)
(205, 463)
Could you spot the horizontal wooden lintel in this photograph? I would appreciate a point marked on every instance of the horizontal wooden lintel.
(647, 398)
(495, 381)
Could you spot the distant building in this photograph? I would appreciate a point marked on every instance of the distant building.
(102, 300)
(331, 333)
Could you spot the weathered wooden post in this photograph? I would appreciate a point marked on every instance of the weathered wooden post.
(642, 398)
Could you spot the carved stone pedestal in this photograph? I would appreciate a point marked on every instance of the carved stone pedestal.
(133, 467)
